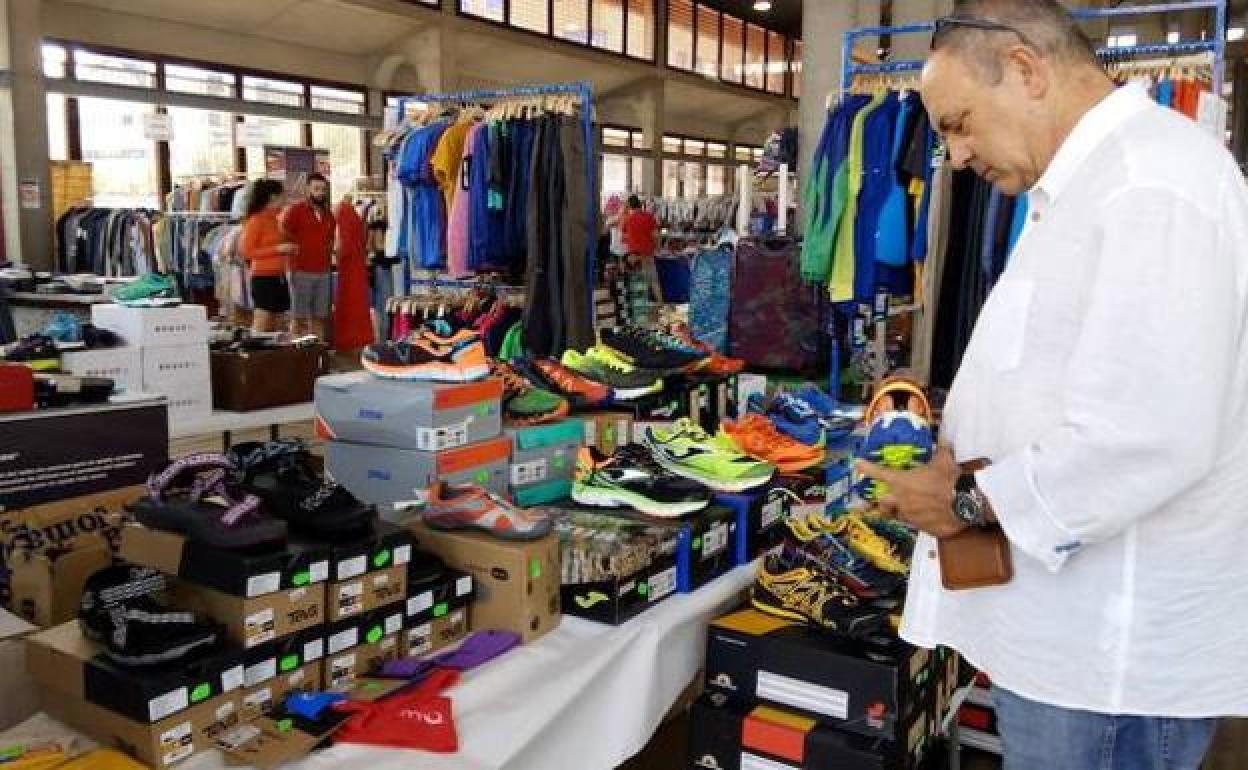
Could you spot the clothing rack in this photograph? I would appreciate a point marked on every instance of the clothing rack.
(208, 216)
(453, 283)
(851, 69)
(585, 90)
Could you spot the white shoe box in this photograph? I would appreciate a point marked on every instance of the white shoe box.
(182, 374)
(124, 366)
(154, 326)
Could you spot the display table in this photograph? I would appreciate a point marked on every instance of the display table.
(32, 311)
(584, 697)
(227, 423)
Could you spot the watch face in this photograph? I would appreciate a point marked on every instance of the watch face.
(966, 509)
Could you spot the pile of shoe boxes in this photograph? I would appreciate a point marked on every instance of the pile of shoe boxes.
(165, 352)
(389, 441)
(781, 695)
(543, 461)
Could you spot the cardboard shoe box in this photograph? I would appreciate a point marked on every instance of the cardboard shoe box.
(366, 573)
(277, 668)
(53, 454)
(608, 431)
(357, 646)
(760, 520)
(715, 727)
(517, 582)
(438, 633)
(543, 461)
(236, 573)
(124, 366)
(614, 568)
(363, 409)
(756, 657)
(154, 326)
(706, 545)
(388, 476)
(436, 612)
(259, 620)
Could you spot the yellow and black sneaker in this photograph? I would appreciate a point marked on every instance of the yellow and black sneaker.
(804, 595)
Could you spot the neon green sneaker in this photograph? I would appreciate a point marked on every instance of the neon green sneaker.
(627, 382)
(686, 450)
(150, 290)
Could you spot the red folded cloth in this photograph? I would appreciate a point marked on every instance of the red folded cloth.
(418, 719)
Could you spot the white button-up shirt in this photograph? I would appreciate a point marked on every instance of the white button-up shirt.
(1107, 382)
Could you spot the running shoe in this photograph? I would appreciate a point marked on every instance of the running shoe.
(852, 529)
(37, 348)
(469, 506)
(422, 360)
(631, 477)
(899, 433)
(686, 450)
(582, 391)
(825, 552)
(804, 595)
(650, 349)
(149, 290)
(758, 437)
(716, 362)
(525, 403)
(795, 418)
(64, 327)
(627, 383)
(896, 532)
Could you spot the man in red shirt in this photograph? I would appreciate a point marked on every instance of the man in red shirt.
(310, 225)
(640, 231)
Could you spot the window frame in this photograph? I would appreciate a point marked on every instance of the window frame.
(626, 12)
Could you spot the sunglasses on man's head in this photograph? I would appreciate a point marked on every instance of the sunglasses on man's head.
(946, 23)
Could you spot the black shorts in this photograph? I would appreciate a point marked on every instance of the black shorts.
(270, 293)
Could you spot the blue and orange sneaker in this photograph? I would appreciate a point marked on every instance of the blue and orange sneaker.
(899, 435)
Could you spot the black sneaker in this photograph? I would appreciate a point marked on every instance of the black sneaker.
(281, 474)
(36, 347)
(56, 390)
(118, 611)
(649, 349)
(423, 360)
(631, 477)
(798, 593)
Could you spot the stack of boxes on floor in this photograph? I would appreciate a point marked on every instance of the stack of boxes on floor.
(164, 352)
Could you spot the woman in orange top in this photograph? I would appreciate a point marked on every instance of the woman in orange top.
(266, 247)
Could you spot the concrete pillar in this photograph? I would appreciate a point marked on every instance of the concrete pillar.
(915, 46)
(27, 117)
(823, 28)
(655, 123)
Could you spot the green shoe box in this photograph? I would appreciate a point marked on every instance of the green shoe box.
(543, 460)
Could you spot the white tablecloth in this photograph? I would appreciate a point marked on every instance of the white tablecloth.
(584, 697)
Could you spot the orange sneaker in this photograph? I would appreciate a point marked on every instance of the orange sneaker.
(715, 363)
(755, 435)
(580, 389)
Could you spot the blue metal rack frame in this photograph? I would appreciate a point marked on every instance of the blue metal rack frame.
(849, 69)
(582, 88)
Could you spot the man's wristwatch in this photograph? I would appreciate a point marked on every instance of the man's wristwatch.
(969, 504)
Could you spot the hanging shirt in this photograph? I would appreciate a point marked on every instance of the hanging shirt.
(457, 231)
(446, 159)
(312, 230)
(1107, 383)
(843, 267)
(425, 213)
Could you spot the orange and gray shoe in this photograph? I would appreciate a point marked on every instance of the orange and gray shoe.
(758, 437)
(716, 363)
(468, 506)
(422, 360)
(581, 390)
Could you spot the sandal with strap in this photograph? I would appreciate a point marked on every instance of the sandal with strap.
(193, 497)
(280, 474)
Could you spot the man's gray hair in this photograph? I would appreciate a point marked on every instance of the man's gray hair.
(1044, 25)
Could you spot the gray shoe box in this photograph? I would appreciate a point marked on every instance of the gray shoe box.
(386, 475)
(363, 409)
(541, 453)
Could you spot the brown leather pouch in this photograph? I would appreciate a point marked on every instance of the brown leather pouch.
(975, 558)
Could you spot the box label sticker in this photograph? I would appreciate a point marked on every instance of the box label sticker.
(419, 640)
(394, 624)
(313, 650)
(259, 627)
(343, 640)
(715, 540)
(754, 762)
(259, 700)
(420, 603)
(402, 555)
(448, 437)
(662, 584)
(318, 572)
(232, 679)
(341, 670)
(261, 672)
(772, 512)
(168, 704)
(354, 567)
(803, 695)
(463, 586)
(176, 744)
(529, 473)
(259, 585)
(239, 737)
(351, 598)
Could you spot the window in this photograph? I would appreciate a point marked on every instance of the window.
(193, 80)
(716, 180)
(203, 142)
(640, 142)
(338, 100)
(756, 155)
(486, 9)
(117, 70)
(734, 49)
(571, 20)
(641, 174)
(745, 153)
(58, 128)
(615, 137)
(693, 180)
(55, 60)
(608, 18)
(672, 171)
(755, 53)
(708, 42)
(673, 145)
(281, 92)
(777, 62)
(796, 67)
(346, 154)
(641, 29)
(695, 147)
(533, 15)
(123, 162)
(615, 175)
(716, 150)
(680, 34)
(273, 131)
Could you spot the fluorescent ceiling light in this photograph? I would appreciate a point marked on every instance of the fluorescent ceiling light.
(1235, 33)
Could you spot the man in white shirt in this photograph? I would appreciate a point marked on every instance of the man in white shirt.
(1106, 384)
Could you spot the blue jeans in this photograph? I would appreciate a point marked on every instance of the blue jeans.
(1042, 737)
